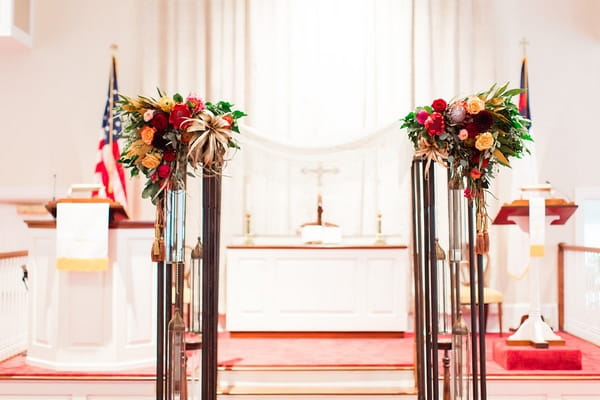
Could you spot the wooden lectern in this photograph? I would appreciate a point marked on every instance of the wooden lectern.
(531, 216)
(116, 211)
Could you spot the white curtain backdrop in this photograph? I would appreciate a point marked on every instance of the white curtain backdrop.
(317, 74)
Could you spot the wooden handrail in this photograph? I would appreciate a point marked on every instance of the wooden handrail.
(12, 254)
(562, 247)
(565, 246)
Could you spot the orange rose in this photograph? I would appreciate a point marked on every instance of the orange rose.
(147, 134)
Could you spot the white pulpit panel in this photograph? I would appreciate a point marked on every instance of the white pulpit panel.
(317, 288)
(96, 320)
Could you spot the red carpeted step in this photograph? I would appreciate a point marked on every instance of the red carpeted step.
(530, 358)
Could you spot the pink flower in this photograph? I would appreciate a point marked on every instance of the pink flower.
(148, 115)
(435, 124)
(196, 104)
(164, 170)
(439, 105)
(422, 116)
(463, 134)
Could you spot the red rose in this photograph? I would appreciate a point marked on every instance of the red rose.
(228, 118)
(468, 193)
(439, 105)
(179, 114)
(435, 124)
(164, 170)
(475, 173)
(169, 156)
(159, 121)
(154, 177)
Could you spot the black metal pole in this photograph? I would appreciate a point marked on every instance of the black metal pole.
(168, 304)
(211, 215)
(427, 283)
(160, 329)
(433, 299)
(472, 267)
(482, 326)
(418, 276)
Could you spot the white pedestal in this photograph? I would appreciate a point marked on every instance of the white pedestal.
(534, 330)
(92, 321)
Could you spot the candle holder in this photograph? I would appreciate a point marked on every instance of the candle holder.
(248, 229)
(379, 238)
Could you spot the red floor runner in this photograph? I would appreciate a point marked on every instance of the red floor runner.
(325, 352)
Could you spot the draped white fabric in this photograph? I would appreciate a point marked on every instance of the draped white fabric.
(319, 75)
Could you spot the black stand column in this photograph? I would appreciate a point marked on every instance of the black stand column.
(211, 217)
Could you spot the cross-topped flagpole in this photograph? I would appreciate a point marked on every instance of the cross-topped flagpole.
(524, 42)
(111, 94)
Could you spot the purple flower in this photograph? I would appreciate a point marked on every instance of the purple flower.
(422, 116)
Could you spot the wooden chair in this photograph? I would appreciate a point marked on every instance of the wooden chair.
(490, 296)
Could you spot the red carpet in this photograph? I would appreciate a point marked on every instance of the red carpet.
(301, 351)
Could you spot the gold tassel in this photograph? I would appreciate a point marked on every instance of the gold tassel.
(158, 246)
(486, 242)
(479, 243)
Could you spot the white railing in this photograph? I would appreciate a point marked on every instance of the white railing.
(13, 303)
(579, 291)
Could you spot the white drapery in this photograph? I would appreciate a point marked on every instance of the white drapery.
(313, 73)
(319, 74)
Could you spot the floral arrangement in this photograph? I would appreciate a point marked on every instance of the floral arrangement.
(165, 135)
(472, 136)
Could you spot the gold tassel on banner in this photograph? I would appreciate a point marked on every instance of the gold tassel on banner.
(158, 246)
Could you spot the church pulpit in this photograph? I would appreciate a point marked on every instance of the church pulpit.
(99, 320)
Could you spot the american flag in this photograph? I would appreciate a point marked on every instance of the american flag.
(524, 109)
(108, 171)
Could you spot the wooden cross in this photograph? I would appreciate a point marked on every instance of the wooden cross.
(524, 42)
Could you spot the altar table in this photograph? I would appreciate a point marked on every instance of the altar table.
(317, 288)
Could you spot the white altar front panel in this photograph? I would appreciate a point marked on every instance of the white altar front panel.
(90, 321)
(313, 288)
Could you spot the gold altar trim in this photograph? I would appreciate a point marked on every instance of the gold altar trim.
(82, 264)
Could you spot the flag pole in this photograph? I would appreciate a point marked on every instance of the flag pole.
(111, 88)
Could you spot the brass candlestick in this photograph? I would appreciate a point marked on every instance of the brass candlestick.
(248, 229)
(379, 239)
